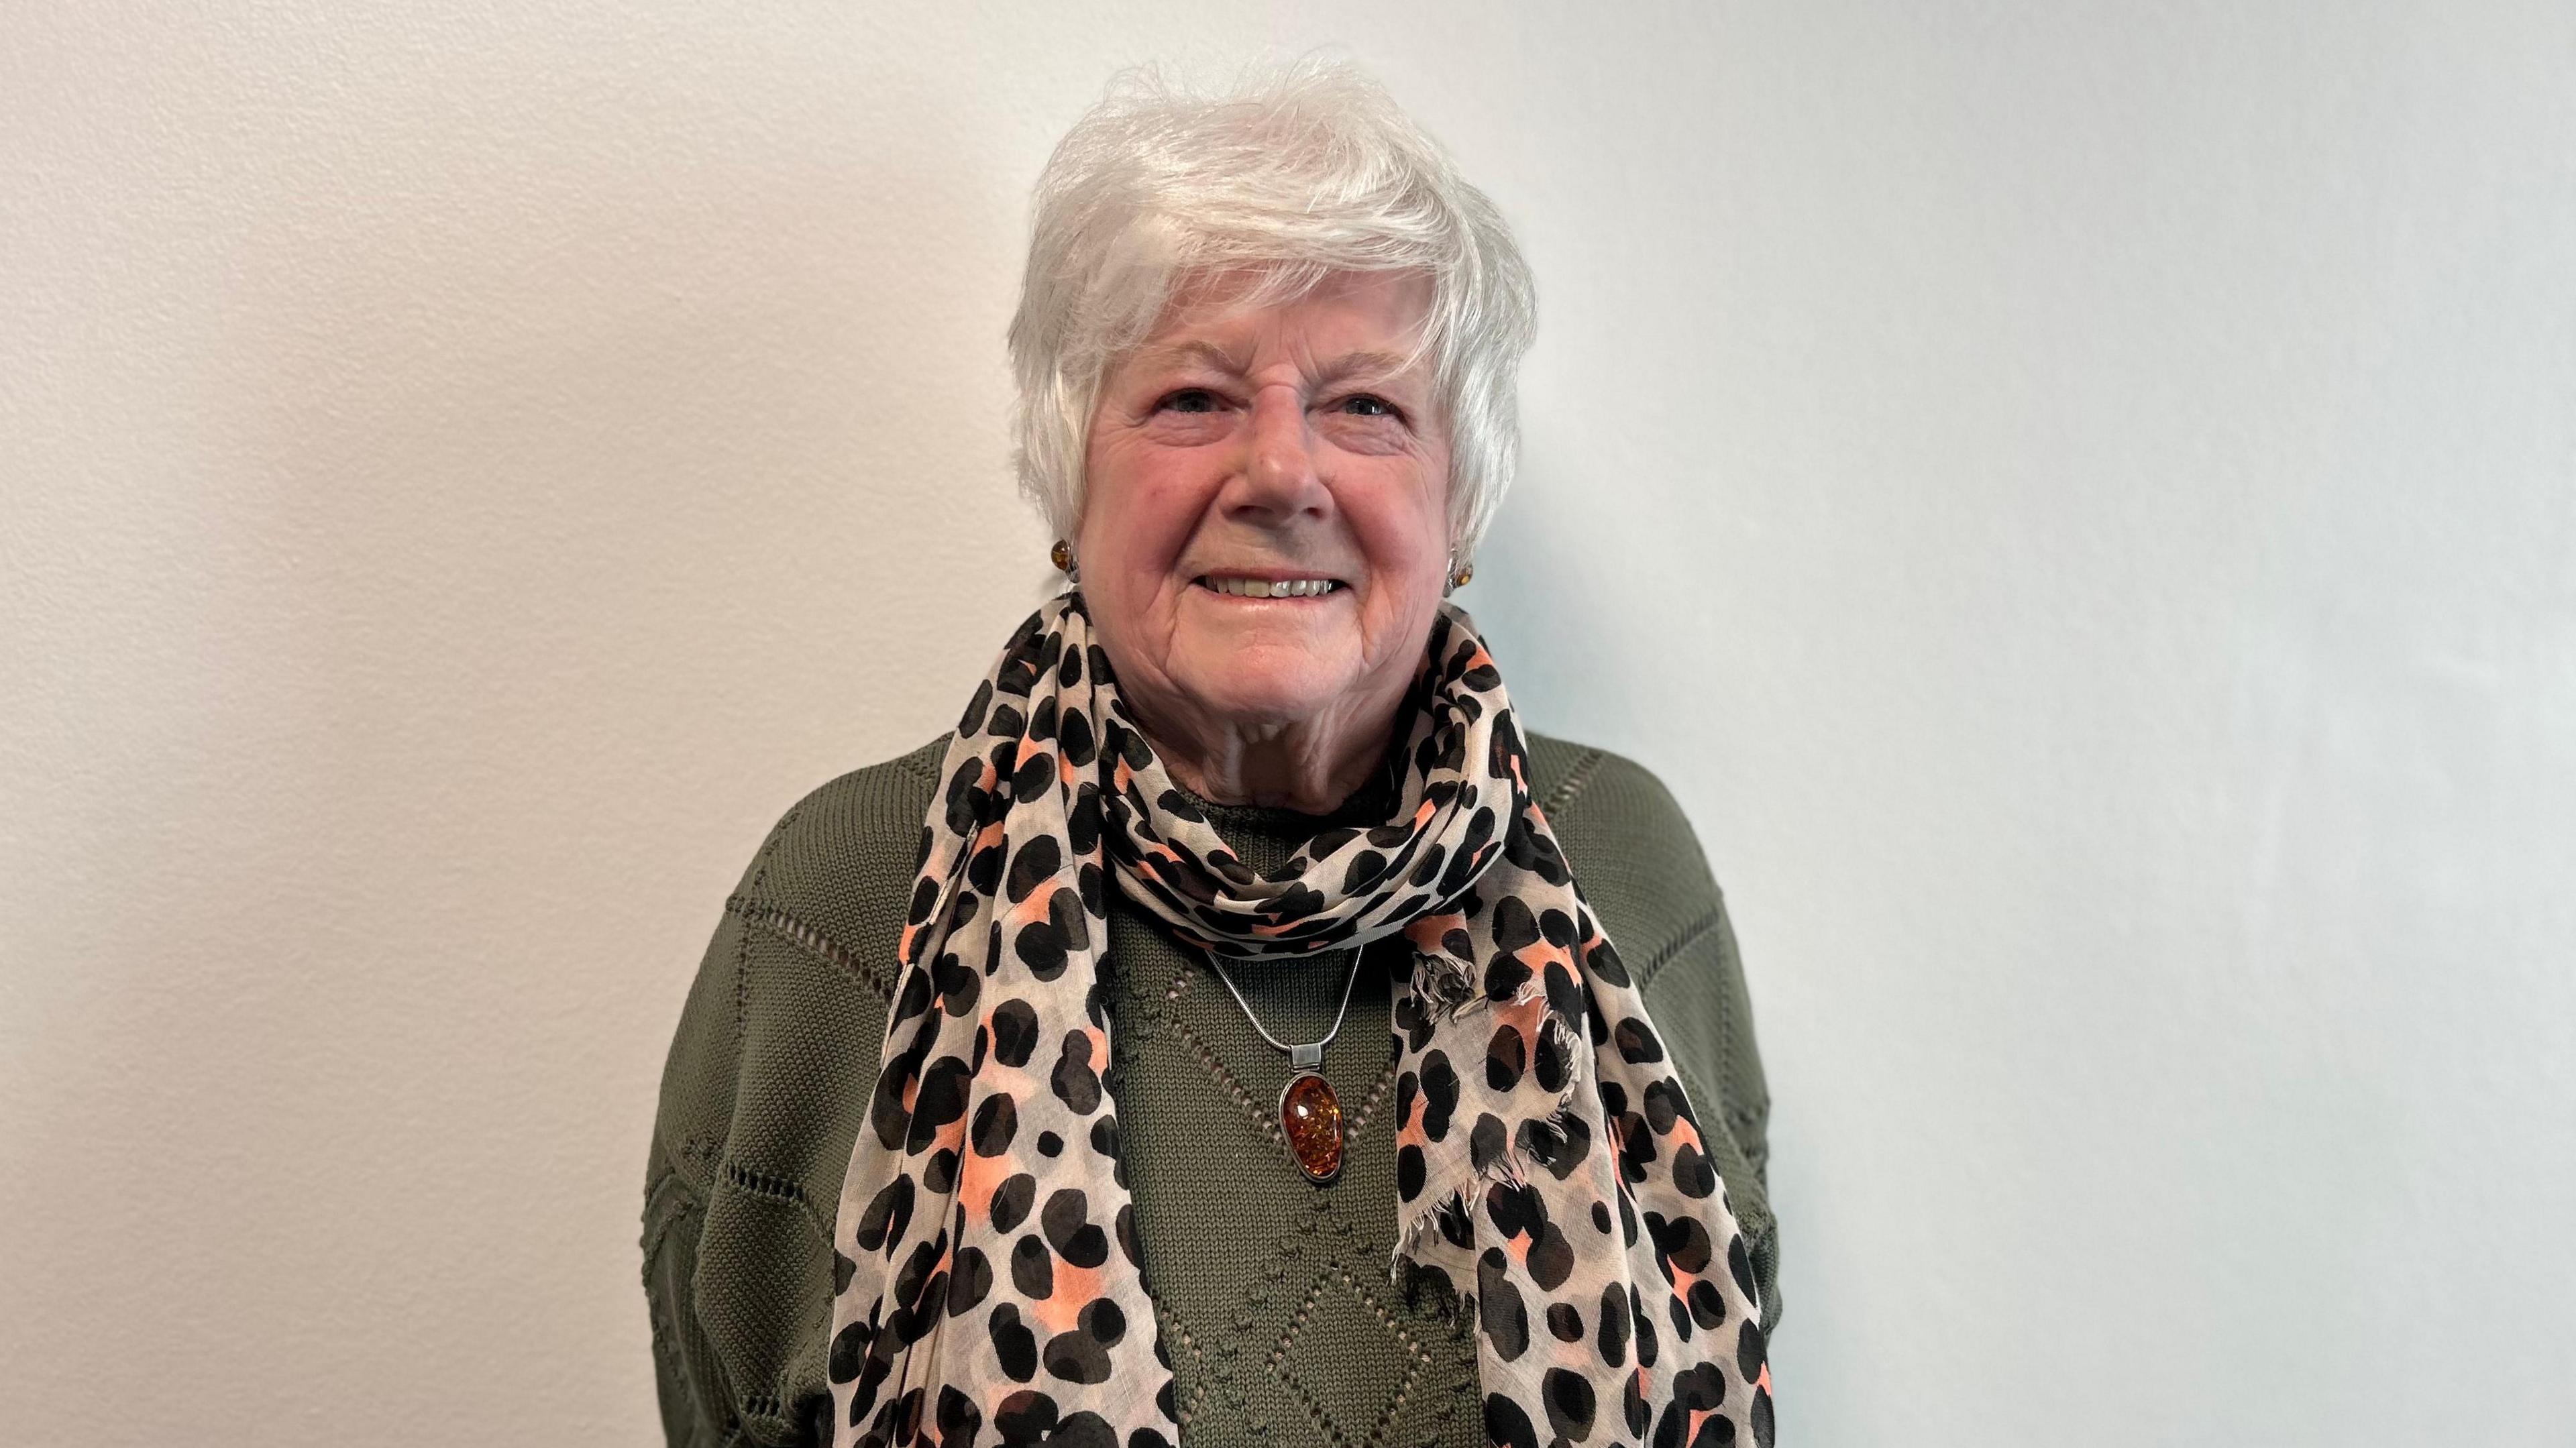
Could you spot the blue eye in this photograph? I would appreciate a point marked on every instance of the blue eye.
(1368, 405)
(1191, 399)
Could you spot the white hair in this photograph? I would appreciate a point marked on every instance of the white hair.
(1303, 171)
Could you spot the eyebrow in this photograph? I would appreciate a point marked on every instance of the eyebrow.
(1374, 365)
(1207, 352)
(1369, 363)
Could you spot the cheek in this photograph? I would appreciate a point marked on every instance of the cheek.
(1136, 519)
(1405, 531)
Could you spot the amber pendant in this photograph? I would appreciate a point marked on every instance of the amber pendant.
(1310, 1115)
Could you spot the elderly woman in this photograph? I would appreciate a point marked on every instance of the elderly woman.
(1220, 1035)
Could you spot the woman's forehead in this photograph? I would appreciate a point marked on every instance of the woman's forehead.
(1350, 323)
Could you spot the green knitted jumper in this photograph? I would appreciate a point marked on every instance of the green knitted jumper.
(1273, 1295)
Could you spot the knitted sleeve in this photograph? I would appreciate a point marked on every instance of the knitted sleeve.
(764, 1089)
(696, 1407)
(699, 1408)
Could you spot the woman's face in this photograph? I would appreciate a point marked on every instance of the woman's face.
(1265, 533)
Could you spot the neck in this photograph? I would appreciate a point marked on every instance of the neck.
(1311, 765)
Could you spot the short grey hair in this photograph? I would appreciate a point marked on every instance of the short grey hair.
(1303, 170)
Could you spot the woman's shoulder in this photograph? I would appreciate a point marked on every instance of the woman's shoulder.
(856, 830)
(1566, 773)
(1629, 841)
(866, 796)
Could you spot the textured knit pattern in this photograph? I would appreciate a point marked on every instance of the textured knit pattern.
(1275, 1308)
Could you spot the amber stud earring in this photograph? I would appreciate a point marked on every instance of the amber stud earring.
(1062, 556)
(1459, 575)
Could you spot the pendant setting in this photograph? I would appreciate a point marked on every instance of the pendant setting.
(1310, 1117)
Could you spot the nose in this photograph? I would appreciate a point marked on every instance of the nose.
(1278, 480)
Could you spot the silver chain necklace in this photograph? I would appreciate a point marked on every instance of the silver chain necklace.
(1310, 1115)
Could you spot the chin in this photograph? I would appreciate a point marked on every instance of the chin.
(1249, 691)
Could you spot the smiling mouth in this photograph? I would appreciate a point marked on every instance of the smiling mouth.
(1240, 587)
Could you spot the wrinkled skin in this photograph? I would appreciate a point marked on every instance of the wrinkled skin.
(1269, 443)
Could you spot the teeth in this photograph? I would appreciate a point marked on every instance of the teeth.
(1272, 588)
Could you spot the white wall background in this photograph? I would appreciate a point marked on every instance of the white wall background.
(2078, 499)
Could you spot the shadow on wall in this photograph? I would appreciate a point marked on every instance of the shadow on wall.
(1564, 633)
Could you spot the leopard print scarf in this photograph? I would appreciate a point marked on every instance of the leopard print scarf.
(1549, 1166)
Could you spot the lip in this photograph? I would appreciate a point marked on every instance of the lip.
(1206, 583)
